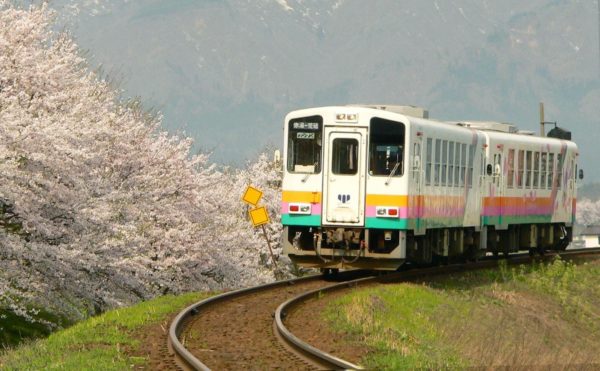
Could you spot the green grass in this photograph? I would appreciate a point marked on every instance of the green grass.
(395, 322)
(99, 343)
(541, 315)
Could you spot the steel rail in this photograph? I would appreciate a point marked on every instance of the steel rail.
(328, 361)
(178, 323)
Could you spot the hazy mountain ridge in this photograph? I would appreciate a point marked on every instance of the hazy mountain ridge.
(228, 71)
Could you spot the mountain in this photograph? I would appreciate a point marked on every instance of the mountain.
(226, 72)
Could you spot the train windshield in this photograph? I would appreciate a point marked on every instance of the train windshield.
(304, 145)
(386, 147)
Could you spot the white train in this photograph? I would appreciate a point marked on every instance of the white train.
(376, 186)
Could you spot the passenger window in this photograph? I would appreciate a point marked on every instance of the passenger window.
(511, 168)
(550, 170)
(536, 169)
(543, 170)
(528, 169)
(437, 171)
(463, 163)
(444, 161)
(451, 164)
(521, 171)
(429, 161)
(559, 169)
(457, 165)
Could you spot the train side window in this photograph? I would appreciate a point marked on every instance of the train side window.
(463, 163)
(528, 169)
(521, 168)
(386, 147)
(536, 169)
(437, 170)
(451, 164)
(456, 164)
(511, 168)
(304, 145)
(444, 161)
(559, 169)
(550, 170)
(543, 169)
(428, 163)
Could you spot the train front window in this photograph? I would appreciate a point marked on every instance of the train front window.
(386, 147)
(304, 145)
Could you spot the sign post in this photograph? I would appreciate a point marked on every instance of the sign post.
(259, 215)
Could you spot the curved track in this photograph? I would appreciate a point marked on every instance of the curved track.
(235, 330)
(245, 329)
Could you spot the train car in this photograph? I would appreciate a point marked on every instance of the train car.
(376, 186)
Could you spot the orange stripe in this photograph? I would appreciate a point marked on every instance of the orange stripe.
(301, 196)
(516, 201)
(387, 200)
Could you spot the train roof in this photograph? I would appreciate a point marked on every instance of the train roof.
(421, 115)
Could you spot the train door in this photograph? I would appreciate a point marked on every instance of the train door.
(417, 185)
(344, 176)
(496, 190)
(571, 181)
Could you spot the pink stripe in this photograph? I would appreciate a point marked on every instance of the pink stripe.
(445, 212)
(517, 210)
(316, 209)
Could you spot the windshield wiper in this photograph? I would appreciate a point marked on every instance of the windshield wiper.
(309, 174)
(392, 173)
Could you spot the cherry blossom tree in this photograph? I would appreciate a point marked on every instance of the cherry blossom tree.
(99, 207)
(588, 212)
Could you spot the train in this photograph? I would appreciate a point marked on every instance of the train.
(379, 186)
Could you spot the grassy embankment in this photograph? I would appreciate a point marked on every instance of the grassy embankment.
(546, 315)
(105, 342)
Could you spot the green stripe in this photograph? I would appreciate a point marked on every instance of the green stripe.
(440, 222)
(309, 220)
(516, 219)
(384, 223)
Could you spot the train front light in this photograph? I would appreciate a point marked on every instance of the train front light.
(386, 211)
(299, 208)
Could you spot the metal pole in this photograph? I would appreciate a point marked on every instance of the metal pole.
(542, 131)
(269, 244)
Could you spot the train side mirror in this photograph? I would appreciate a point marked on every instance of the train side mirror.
(580, 173)
(489, 169)
(277, 156)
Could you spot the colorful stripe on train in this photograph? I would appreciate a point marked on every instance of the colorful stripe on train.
(434, 211)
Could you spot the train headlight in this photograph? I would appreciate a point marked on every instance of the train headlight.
(386, 211)
(298, 208)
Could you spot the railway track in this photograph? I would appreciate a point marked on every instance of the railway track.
(246, 329)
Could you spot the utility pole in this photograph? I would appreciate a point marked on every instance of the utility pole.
(542, 131)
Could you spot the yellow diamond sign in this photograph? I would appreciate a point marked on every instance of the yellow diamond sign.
(252, 195)
(259, 216)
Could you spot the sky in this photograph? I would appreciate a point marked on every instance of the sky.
(226, 72)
